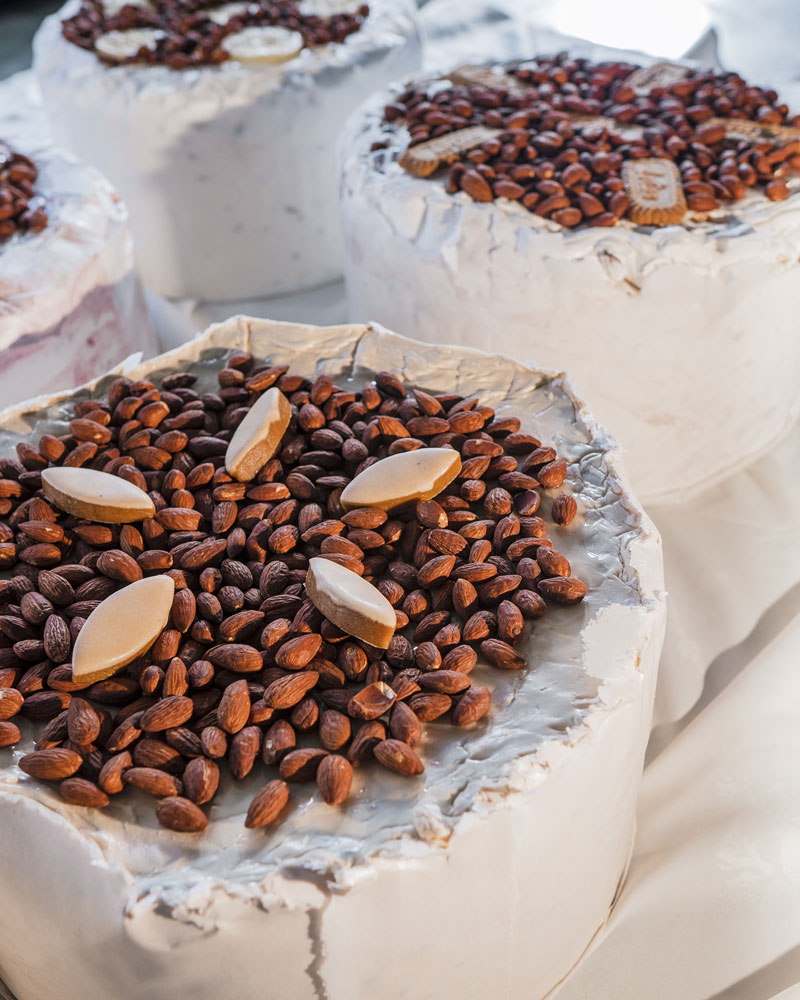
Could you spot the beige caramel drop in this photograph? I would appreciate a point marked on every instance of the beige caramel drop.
(403, 478)
(95, 495)
(257, 437)
(350, 602)
(124, 626)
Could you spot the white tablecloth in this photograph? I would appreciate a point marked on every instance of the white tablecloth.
(711, 908)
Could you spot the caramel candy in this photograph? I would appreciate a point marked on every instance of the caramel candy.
(124, 626)
(484, 76)
(96, 496)
(742, 129)
(655, 192)
(660, 74)
(257, 437)
(403, 478)
(426, 158)
(350, 602)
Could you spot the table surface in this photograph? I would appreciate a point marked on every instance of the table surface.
(711, 907)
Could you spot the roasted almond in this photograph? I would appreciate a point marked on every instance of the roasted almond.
(181, 815)
(152, 780)
(110, 778)
(80, 792)
(334, 730)
(564, 509)
(51, 765)
(233, 710)
(563, 590)
(371, 701)
(334, 779)
(9, 734)
(267, 804)
(167, 713)
(404, 725)
(471, 706)
(288, 691)
(239, 658)
(398, 756)
(298, 653)
(301, 765)
(243, 751)
(501, 654)
(83, 722)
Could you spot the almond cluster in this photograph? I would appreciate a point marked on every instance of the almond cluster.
(248, 675)
(191, 38)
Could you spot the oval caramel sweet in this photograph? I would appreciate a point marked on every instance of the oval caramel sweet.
(124, 626)
(350, 602)
(403, 478)
(96, 496)
(257, 437)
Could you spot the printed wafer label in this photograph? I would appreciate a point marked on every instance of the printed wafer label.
(738, 128)
(427, 157)
(655, 192)
(660, 74)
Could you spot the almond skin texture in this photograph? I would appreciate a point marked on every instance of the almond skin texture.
(267, 805)
(399, 757)
(80, 792)
(471, 706)
(200, 780)
(181, 815)
(51, 765)
(334, 779)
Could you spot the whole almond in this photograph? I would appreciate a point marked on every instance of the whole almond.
(181, 815)
(479, 626)
(552, 474)
(267, 804)
(83, 723)
(118, 565)
(153, 781)
(184, 608)
(398, 756)
(110, 779)
(334, 779)
(462, 658)
(286, 692)
(214, 741)
(51, 765)
(298, 653)
(364, 741)
(80, 792)
(156, 753)
(301, 765)
(127, 732)
(445, 681)
(404, 725)
(471, 706)
(11, 702)
(429, 705)
(278, 740)
(239, 658)
(233, 710)
(172, 711)
(9, 734)
(200, 780)
(501, 654)
(334, 730)
(435, 570)
(563, 590)
(510, 623)
(552, 562)
(371, 701)
(564, 509)
(57, 640)
(243, 751)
